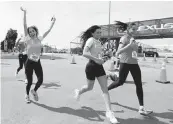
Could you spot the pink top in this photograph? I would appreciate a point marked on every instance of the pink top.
(33, 47)
(127, 56)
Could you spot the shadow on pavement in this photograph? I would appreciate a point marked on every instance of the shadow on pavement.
(50, 85)
(150, 119)
(85, 112)
(132, 82)
(4, 63)
(94, 115)
(140, 121)
(165, 115)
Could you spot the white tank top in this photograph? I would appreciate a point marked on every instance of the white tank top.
(94, 46)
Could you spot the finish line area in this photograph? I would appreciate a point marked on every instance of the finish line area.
(57, 103)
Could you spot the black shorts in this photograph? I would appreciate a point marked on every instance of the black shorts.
(93, 70)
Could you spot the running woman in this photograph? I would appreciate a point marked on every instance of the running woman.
(33, 46)
(22, 55)
(92, 49)
(129, 63)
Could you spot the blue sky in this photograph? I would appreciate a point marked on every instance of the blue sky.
(73, 17)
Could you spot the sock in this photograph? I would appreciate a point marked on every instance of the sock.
(141, 107)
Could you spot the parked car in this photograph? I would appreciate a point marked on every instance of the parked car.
(150, 52)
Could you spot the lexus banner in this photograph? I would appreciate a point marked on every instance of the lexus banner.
(156, 28)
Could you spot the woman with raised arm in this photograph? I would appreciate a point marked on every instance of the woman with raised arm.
(22, 55)
(128, 62)
(33, 50)
(92, 49)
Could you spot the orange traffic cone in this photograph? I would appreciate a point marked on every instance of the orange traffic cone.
(163, 77)
(73, 60)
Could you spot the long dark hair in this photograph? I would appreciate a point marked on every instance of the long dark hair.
(123, 26)
(87, 34)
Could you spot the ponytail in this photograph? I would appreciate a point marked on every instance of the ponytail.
(87, 34)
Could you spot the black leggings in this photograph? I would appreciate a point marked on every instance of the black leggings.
(136, 74)
(29, 67)
(22, 60)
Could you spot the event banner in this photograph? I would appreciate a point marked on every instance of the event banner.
(156, 28)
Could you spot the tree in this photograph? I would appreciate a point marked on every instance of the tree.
(11, 37)
(2, 45)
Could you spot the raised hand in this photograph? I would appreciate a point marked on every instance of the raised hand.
(23, 9)
(132, 41)
(53, 19)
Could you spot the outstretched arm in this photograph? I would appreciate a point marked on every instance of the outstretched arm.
(24, 21)
(17, 43)
(52, 24)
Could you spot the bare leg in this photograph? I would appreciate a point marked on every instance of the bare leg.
(103, 84)
(109, 113)
(85, 88)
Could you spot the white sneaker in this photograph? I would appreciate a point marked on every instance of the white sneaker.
(27, 99)
(145, 112)
(26, 81)
(111, 116)
(35, 95)
(16, 74)
(77, 96)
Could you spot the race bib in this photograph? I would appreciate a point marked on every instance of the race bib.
(34, 57)
(134, 55)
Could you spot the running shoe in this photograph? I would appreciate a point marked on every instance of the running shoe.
(77, 95)
(111, 116)
(35, 95)
(27, 99)
(26, 81)
(142, 111)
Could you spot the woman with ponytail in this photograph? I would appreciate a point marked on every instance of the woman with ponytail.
(128, 62)
(92, 50)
